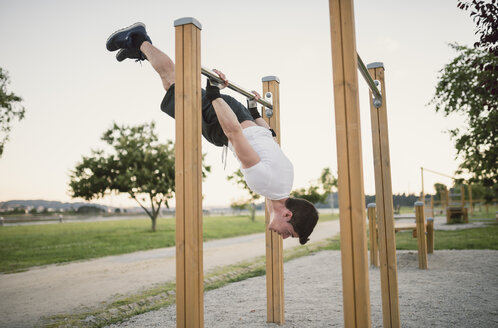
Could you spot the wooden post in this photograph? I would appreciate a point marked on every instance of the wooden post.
(462, 196)
(422, 197)
(421, 237)
(447, 198)
(471, 208)
(430, 235)
(432, 206)
(374, 242)
(354, 257)
(384, 201)
(274, 243)
(188, 175)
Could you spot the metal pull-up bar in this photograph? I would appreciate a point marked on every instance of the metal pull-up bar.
(212, 75)
(371, 83)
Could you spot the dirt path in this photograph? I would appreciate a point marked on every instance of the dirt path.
(45, 291)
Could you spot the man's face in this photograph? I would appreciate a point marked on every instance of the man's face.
(280, 224)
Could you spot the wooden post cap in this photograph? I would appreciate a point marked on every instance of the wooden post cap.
(270, 78)
(188, 20)
(430, 219)
(375, 65)
(371, 205)
(419, 204)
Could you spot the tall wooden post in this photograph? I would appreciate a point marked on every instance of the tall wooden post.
(421, 236)
(384, 201)
(274, 244)
(188, 166)
(354, 256)
(374, 241)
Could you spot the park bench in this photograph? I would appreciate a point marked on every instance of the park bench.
(457, 215)
(424, 232)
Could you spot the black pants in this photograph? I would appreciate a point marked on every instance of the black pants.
(211, 128)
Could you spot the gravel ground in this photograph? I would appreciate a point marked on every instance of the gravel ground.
(460, 289)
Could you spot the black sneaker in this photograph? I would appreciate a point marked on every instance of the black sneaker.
(131, 54)
(128, 37)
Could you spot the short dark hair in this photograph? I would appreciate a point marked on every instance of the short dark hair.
(304, 217)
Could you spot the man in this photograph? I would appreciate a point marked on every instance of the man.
(226, 122)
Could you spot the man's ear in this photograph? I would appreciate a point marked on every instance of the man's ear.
(288, 213)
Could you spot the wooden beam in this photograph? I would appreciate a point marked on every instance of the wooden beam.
(188, 175)
(384, 201)
(274, 244)
(421, 237)
(356, 294)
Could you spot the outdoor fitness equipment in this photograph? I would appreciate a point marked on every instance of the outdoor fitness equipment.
(345, 60)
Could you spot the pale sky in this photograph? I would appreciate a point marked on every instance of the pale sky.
(74, 89)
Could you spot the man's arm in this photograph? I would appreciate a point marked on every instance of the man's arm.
(232, 129)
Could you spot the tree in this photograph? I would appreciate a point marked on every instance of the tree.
(10, 109)
(469, 86)
(319, 192)
(485, 15)
(139, 165)
(250, 201)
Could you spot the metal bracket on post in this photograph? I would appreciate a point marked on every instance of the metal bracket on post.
(373, 85)
(268, 110)
(269, 96)
(376, 101)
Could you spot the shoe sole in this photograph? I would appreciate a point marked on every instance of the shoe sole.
(122, 30)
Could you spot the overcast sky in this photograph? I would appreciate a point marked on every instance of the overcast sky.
(73, 89)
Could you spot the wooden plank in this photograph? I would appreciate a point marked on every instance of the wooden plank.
(421, 238)
(274, 243)
(354, 257)
(405, 226)
(384, 201)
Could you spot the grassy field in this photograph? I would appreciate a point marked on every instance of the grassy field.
(26, 246)
(476, 238)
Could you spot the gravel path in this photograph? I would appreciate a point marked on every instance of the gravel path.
(460, 289)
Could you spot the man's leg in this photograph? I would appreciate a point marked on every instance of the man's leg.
(161, 63)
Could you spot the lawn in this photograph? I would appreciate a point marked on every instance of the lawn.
(476, 238)
(26, 246)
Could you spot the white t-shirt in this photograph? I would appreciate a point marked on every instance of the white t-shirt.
(273, 176)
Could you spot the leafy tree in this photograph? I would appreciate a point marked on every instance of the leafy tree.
(319, 192)
(440, 191)
(250, 201)
(10, 109)
(139, 165)
(311, 194)
(469, 86)
(485, 15)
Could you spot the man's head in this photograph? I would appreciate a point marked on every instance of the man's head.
(296, 219)
(304, 217)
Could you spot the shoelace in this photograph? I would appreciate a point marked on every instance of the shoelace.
(224, 156)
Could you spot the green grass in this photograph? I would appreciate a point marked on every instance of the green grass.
(26, 246)
(475, 238)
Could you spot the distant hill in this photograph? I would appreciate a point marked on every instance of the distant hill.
(47, 204)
